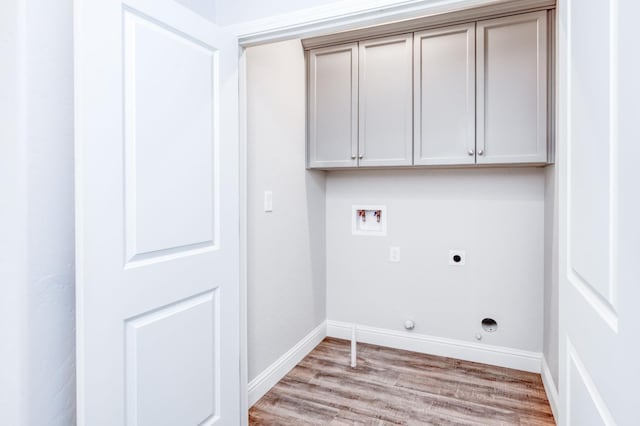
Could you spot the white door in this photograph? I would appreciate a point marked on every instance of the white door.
(157, 216)
(599, 212)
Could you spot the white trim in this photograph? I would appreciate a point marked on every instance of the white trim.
(79, 81)
(276, 371)
(550, 388)
(242, 119)
(350, 14)
(452, 348)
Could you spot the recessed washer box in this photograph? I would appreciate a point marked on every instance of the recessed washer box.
(369, 220)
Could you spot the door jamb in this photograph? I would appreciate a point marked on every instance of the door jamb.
(301, 24)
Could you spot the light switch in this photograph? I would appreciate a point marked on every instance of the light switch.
(268, 201)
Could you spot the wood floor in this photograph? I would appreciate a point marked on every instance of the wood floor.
(390, 387)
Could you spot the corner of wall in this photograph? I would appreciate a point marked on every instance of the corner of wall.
(271, 375)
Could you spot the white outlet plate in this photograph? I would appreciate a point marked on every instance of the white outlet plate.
(394, 254)
(268, 201)
(461, 253)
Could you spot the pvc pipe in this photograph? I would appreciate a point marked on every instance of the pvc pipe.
(353, 346)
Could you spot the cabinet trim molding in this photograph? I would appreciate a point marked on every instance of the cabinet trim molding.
(353, 15)
(417, 15)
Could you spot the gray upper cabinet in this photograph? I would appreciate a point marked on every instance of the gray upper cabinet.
(385, 101)
(444, 96)
(467, 94)
(333, 106)
(512, 89)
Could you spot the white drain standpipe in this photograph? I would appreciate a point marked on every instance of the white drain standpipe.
(353, 346)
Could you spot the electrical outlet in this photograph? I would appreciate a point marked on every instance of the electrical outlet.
(457, 257)
(268, 201)
(394, 254)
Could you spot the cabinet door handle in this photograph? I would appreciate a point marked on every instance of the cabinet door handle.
(353, 156)
(481, 152)
(470, 152)
(361, 156)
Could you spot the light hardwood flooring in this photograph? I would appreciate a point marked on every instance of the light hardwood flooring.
(391, 387)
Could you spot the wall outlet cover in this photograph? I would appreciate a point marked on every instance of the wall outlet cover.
(268, 201)
(394, 254)
(457, 257)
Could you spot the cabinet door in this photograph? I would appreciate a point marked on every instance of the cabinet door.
(444, 95)
(512, 89)
(385, 132)
(333, 106)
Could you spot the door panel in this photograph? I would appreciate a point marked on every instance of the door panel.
(590, 234)
(445, 95)
(169, 145)
(333, 106)
(386, 101)
(585, 405)
(512, 89)
(169, 353)
(157, 216)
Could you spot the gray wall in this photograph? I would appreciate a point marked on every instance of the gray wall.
(495, 215)
(37, 223)
(286, 247)
(551, 302)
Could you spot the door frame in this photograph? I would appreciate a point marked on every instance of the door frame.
(347, 15)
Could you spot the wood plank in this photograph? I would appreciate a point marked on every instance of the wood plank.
(395, 387)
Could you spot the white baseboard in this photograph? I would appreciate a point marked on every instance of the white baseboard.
(276, 371)
(469, 351)
(550, 388)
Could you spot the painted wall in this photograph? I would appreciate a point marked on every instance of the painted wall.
(495, 215)
(231, 12)
(551, 285)
(286, 247)
(205, 8)
(13, 212)
(37, 244)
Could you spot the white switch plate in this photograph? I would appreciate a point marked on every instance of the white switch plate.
(394, 254)
(453, 253)
(268, 201)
